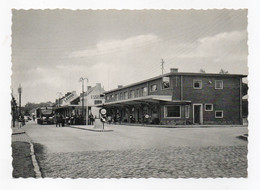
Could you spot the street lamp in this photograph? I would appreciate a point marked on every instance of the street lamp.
(20, 99)
(82, 81)
(59, 95)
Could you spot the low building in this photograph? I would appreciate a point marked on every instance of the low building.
(179, 98)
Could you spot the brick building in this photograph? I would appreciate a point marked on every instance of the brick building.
(179, 98)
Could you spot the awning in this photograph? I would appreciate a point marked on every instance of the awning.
(69, 106)
(145, 99)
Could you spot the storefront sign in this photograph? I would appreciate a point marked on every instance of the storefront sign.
(103, 111)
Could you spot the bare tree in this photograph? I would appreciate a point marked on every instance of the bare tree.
(222, 71)
(202, 71)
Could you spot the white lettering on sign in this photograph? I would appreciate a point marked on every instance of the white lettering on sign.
(69, 97)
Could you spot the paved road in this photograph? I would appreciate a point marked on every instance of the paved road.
(65, 139)
(141, 152)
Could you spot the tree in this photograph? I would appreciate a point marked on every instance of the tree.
(202, 71)
(222, 71)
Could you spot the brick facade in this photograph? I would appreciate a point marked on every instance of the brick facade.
(226, 99)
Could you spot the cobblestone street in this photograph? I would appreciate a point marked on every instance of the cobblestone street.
(175, 162)
(140, 152)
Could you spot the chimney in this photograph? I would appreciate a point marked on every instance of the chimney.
(119, 86)
(174, 70)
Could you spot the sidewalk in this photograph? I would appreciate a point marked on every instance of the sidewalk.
(18, 134)
(174, 126)
(90, 128)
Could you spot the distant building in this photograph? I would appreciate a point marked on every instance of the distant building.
(70, 105)
(179, 98)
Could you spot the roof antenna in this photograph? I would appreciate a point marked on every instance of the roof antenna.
(162, 65)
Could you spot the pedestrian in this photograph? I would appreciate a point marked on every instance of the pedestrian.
(91, 119)
(20, 122)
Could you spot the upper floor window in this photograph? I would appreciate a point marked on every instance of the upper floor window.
(117, 97)
(219, 84)
(125, 95)
(208, 107)
(165, 82)
(132, 94)
(144, 91)
(137, 92)
(121, 96)
(197, 84)
(112, 97)
(153, 87)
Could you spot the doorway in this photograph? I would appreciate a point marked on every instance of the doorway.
(197, 114)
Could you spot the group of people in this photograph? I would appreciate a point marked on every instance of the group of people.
(21, 121)
(61, 120)
(114, 119)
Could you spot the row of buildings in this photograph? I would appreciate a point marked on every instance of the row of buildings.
(169, 99)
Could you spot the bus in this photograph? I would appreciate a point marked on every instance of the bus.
(45, 115)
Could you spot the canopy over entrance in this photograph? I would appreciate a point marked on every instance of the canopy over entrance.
(145, 99)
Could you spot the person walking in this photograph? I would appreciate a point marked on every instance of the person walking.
(91, 119)
(20, 122)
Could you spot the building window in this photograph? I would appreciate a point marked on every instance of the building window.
(117, 98)
(197, 84)
(125, 95)
(107, 97)
(144, 91)
(132, 94)
(219, 84)
(165, 82)
(219, 114)
(137, 92)
(172, 111)
(121, 96)
(153, 87)
(112, 97)
(208, 107)
(187, 111)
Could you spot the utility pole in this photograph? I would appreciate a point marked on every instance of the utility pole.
(162, 65)
(82, 81)
(20, 98)
(59, 95)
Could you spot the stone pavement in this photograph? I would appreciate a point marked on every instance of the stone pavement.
(18, 134)
(171, 162)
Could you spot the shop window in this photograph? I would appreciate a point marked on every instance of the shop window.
(172, 111)
(218, 84)
(187, 111)
(197, 84)
(208, 107)
(219, 114)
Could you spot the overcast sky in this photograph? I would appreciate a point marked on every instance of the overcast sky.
(52, 49)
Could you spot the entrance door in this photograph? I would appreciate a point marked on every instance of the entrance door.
(197, 114)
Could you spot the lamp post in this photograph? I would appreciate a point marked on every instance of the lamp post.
(82, 79)
(59, 95)
(20, 98)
